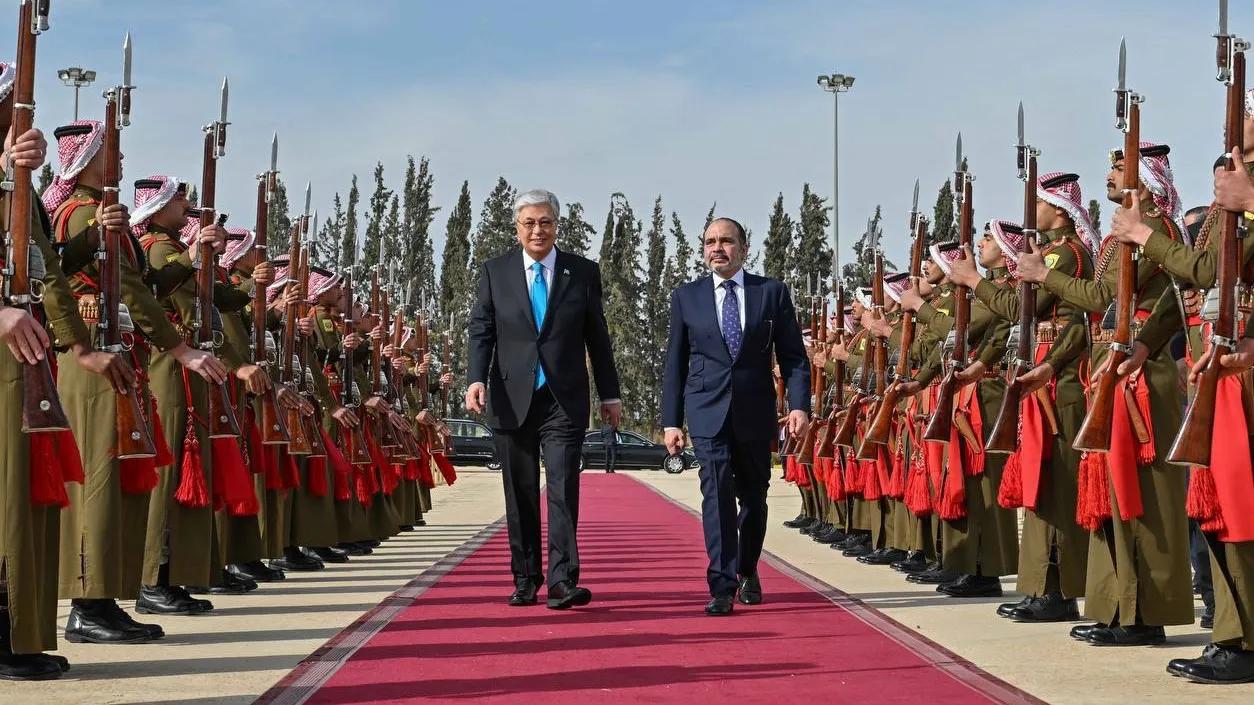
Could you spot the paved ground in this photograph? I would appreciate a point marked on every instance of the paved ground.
(251, 641)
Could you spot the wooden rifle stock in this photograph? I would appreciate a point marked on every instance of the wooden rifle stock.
(940, 427)
(222, 422)
(272, 424)
(1192, 444)
(41, 405)
(1005, 434)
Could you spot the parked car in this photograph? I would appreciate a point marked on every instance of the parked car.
(637, 452)
(472, 443)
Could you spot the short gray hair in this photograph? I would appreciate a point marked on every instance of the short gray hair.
(535, 197)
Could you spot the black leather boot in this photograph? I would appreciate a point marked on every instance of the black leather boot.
(256, 571)
(91, 621)
(1048, 608)
(169, 599)
(293, 559)
(354, 549)
(324, 554)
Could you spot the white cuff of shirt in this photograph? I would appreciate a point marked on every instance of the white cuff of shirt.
(611, 401)
(671, 428)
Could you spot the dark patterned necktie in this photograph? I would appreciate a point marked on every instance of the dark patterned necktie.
(731, 319)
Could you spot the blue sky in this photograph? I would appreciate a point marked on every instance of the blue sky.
(698, 102)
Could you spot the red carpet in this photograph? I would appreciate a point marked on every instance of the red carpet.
(642, 640)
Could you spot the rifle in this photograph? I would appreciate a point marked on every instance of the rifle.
(1095, 432)
(222, 421)
(446, 364)
(827, 436)
(299, 442)
(274, 429)
(317, 448)
(41, 405)
(941, 426)
(383, 426)
(879, 347)
(1192, 444)
(359, 455)
(1005, 434)
(134, 432)
(881, 426)
(805, 455)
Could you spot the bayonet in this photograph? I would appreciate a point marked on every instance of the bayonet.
(126, 60)
(226, 92)
(274, 153)
(308, 196)
(958, 154)
(1123, 65)
(124, 91)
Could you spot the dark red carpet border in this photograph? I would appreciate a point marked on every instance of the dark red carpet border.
(448, 636)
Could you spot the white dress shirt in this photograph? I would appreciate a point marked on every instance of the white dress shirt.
(720, 294)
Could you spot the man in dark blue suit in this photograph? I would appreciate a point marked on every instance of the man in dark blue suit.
(726, 332)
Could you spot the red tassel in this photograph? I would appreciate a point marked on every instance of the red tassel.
(952, 503)
(137, 475)
(1092, 505)
(1203, 501)
(1145, 452)
(365, 495)
(917, 498)
(446, 468)
(316, 476)
(871, 490)
(193, 489)
(288, 470)
(836, 490)
(47, 487)
(233, 485)
(1010, 493)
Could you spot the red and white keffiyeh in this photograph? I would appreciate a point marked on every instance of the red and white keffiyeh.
(1062, 190)
(321, 280)
(239, 241)
(1010, 239)
(151, 195)
(7, 77)
(77, 144)
(896, 284)
(1155, 173)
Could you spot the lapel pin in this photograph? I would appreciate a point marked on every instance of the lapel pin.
(566, 272)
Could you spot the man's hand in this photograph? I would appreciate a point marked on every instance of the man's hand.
(399, 364)
(346, 417)
(1036, 377)
(909, 389)
(378, 405)
(388, 351)
(797, 420)
(263, 274)
(27, 340)
(202, 363)
(115, 218)
(1031, 265)
(1140, 353)
(305, 326)
(611, 413)
(476, 397)
(215, 236)
(112, 367)
(839, 352)
(962, 271)
(287, 398)
(1192, 300)
(377, 334)
(29, 150)
(1127, 226)
(1233, 189)
(820, 357)
(351, 342)
(970, 373)
(674, 441)
(255, 379)
(426, 418)
(446, 379)
(912, 297)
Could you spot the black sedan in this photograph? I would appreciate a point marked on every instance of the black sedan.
(635, 452)
(472, 443)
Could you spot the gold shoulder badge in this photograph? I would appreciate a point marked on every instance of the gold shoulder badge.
(945, 311)
(172, 256)
(327, 325)
(1051, 260)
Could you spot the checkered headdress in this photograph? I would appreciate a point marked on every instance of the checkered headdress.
(1155, 173)
(151, 195)
(77, 144)
(1010, 239)
(1062, 190)
(238, 242)
(7, 77)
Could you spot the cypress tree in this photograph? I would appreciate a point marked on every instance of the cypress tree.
(683, 269)
(374, 221)
(495, 233)
(574, 234)
(418, 214)
(1095, 214)
(279, 223)
(456, 280)
(778, 242)
(943, 226)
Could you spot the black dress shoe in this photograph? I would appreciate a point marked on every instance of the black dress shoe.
(92, 622)
(1005, 608)
(566, 594)
(1049, 608)
(524, 593)
(812, 527)
(858, 550)
(353, 549)
(972, 586)
(800, 521)
(913, 563)
(293, 559)
(830, 535)
(1130, 635)
(324, 554)
(256, 571)
(933, 576)
(407, 527)
(719, 606)
(169, 599)
(1208, 618)
(28, 667)
(1081, 632)
(750, 592)
(60, 662)
(371, 543)
(883, 556)
(1218, 665)
(154, 630)
(420, 522)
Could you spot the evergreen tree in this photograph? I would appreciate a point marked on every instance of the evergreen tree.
(607, 234)
(331, 236)
(861, 270)
(1095, 214)
(193, 197)
(496, 232)
(944, 228)
(813, 254)
(698, 255)
(682, 271)
(418, 214)
(656, 315)
(348, 247)
(457, 283)
(45, 178)
(374, 221)
(778, 242)
(278, 223)
(390, 243)
(574, 234)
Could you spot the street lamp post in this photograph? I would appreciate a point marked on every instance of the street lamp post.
(77, 78)
(836, 84)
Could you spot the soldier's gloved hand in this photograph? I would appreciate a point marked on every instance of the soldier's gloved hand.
(27, 340)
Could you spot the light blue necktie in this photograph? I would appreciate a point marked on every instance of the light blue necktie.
(539, 306)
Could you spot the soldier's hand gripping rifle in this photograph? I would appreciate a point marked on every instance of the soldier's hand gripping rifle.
(941, 426)
(222, 421)
(41, 405)
(1005, 434)
(134, 430)
(879, 349)
(273, 425)
(1095, 432)
(1192, 445)
(882, 424)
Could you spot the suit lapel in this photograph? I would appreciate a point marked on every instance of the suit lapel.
(561, 282)
(516, 283)
(752, 302)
